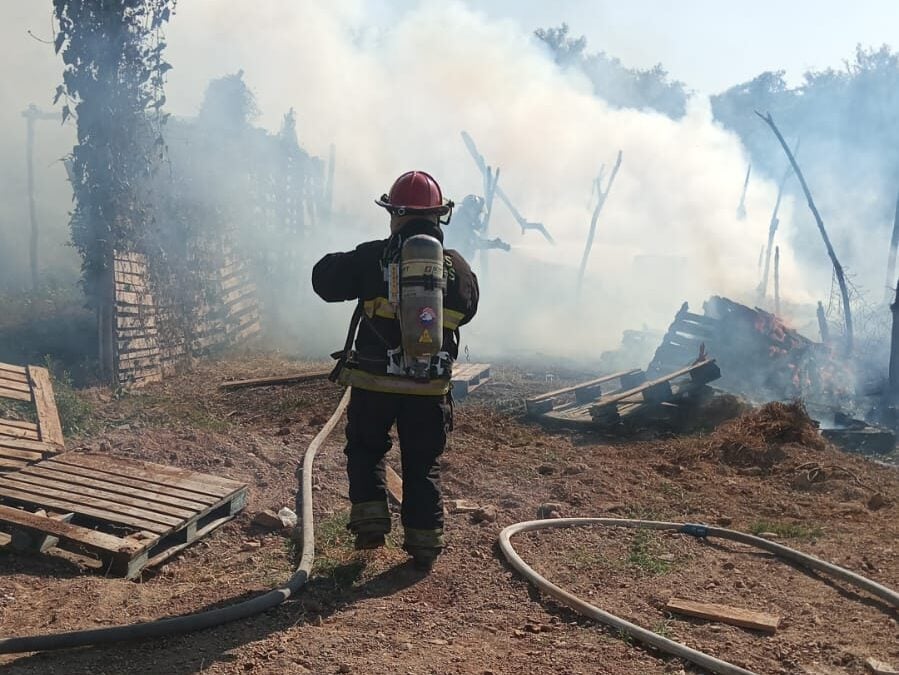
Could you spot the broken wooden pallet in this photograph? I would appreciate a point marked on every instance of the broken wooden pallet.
(467, 377)
(129, 514)
(21, 442)
(632, 399)
(585, 392)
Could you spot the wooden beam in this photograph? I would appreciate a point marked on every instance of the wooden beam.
(273, 381)
(589, 383)
(394, 486)
(725, 614)
(47, 416)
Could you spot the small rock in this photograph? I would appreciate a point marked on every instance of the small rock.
(533, 628)
(546, 510)
(283, 431)
(546, 469)
(407, 646)
(728, 565)
(268, 519)
(438, 642)
(724, 521)
(769, 535)
(880, 667)
(463, 506)
(877, 501)
(574, 469)
(485, 514)
(228, 462)
(105, 446)
(251, 546)
(344, 668)
(518, 633)
(288, 517)
(667, 557)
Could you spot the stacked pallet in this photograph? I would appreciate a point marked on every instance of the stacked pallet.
(23, 442)
(138, 358)
(156, 335)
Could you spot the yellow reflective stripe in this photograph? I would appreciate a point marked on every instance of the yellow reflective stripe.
(380, 307)
(452, 318)
(392, 384)
(424, 538)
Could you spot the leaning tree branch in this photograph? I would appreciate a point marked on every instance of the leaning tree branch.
(837, 268)
(596, 211)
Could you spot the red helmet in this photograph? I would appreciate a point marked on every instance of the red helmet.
(415, 192)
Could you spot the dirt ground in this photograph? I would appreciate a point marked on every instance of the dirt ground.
(372, 613)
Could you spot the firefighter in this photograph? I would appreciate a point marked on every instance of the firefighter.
(412, 296)
(467, 233)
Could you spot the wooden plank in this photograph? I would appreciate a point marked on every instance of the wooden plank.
(630, 393)
(47, 416)
(79, 500)
(142, 323)
(153, 473)
(725, 614)
(92, 540)
(27, 455)
(7, 376)
(20, 424)
(589, 383)
(274, 380)
(25, 444)
(133, 485)
(12, 464)
(10, 368)
(17, 432)
(134, 299)
(51, 473)
(394, 486)
(15, 384)
(15, 394)
(48, 501)
(100, 493)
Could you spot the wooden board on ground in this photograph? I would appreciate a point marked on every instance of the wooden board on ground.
(126, 513)
(467, 377)
(394, 486)
(584, 392)
(274, 380)
(725, 614)
(23, 442)
(653, 394)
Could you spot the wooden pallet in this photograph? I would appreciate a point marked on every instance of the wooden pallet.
(585, 392)
(631, 399)
(126, 513)
(22, 443)
(467, 377)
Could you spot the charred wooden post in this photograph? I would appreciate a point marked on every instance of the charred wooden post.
(894, 347)
(837, 267)
(603, 194)
(761, 259)
(773, 225)
(822, 324)
(891, 260)
(31, 115)
(777, 280)
(741, 208)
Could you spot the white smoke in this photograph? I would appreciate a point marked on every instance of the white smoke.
(395, 97)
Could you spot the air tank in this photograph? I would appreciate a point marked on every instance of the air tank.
(421, 301)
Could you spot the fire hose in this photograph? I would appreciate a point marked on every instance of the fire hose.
(700, 531)
(189, 623)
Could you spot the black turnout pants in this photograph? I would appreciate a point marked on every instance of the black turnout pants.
(422, 424)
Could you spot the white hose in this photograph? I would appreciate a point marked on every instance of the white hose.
(661, 643)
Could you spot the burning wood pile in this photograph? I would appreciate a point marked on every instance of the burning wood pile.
(760, 357)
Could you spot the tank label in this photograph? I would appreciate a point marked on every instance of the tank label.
(425, 337)
(427, 316)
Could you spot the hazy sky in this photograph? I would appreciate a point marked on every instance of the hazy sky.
(711, 44)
